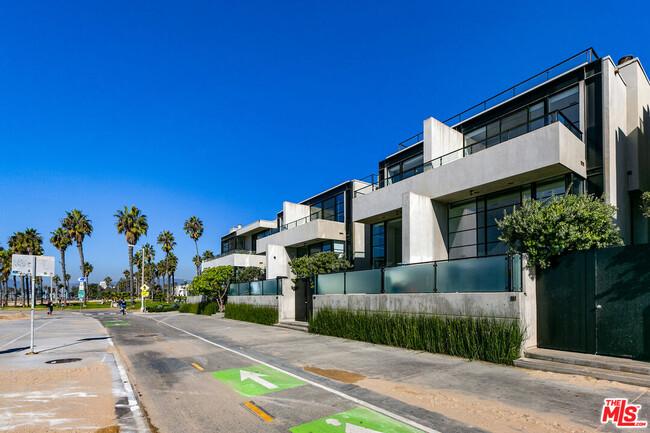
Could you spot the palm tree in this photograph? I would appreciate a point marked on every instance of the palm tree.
(194, 228)
(149, 255)
(89, 268)
(133, 224)
(108, 281)
(61, 241)
(78, 227)
(5, 264)
(207, 255)
(167, 242)
(55, 283)
(172, 263)
(17, 245)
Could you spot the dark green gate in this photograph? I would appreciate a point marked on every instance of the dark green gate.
(597, 301)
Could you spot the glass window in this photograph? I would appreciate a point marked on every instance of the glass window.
(394, 174)
(536, 115)
(493, 134)
(457, 253)
(550, 187)
(475, 140)
(412, 166)
(378, 241)
(567, 102)
(462, 208)
(393, 244)
(339, 248)
(514, 124)
(460, 239)
(314, 249)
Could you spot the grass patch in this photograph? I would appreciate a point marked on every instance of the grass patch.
(252, 313)
(486, 339)
(92, 305)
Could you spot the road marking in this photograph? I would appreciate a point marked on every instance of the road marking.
(197, 366)
(155, 338)
(169, 348)
(256, 377)
(310, 382)
(265, 416)
(358, 420)
(248, 381)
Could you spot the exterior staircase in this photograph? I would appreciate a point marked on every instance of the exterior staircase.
(293, 324)
(599, 367)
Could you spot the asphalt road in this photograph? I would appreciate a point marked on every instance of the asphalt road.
(172, 373)
(198, 373)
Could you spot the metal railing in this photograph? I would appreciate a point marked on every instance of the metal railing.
(299, 222)
(586, 56)
(501, 273)
(417, 138)
(256, 288)
(505, 135)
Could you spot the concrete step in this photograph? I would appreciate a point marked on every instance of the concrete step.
(597, 373)
(588, 360)
(296, 326)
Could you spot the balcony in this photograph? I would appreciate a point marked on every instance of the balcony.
(376, 182)
(551, 147)
(235, 258)
(303, 231)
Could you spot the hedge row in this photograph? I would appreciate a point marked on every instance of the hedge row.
(252, 313)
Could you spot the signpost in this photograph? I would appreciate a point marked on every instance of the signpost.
(34, 266)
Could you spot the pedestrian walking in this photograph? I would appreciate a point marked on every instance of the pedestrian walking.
(50, 307)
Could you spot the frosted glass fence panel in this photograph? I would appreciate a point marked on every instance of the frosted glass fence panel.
(410, 279)
(516, 273)
(363, 281)
(256, 287)
(243, 289)
(330, 284)
(486, 274)
(270, 287)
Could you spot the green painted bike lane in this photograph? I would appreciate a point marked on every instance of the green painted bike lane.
(359, 420)
(256, 380)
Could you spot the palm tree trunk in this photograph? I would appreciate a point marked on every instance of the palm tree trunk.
(167, 273)
(15, 292)
(83, 268)
(198, 267)
(65, 283)
(131, 274)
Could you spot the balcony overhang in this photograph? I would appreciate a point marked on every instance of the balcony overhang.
(236, 260)
(310, 232)
(545, 152)
(256, 227)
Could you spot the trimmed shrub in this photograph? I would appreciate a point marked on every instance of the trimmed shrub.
(189, 308)
(486, 339)
(162, 308)
(252, 313)
(208, 309)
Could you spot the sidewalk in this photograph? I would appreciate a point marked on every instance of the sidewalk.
(490, 397)
(73, 383)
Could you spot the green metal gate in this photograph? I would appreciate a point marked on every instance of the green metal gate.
(597, 301)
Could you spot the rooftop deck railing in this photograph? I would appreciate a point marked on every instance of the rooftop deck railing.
(417, 138)
(586, 56)
(227, 253)
(298, 222)
(376, 182)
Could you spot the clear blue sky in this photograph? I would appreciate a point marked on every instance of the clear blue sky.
(225, 109)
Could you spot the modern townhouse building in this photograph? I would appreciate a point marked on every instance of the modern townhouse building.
(320, 223)
(579, 126)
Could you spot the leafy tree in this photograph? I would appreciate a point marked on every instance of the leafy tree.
(213, 283)
(61, 241)
(167, 243)
(78, 227)
(326, 262)
(645, 204)
(542, 229)
(194, 228)
(132, 223)
(250, 273)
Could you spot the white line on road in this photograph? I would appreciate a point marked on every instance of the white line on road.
(24, 335)
(310, 382)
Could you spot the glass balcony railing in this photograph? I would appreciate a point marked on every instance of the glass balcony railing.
(481, 274)
(376, 182)
(227, 253)
(255, 288)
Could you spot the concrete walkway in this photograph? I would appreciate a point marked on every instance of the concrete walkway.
(489, 397)
(75, 381)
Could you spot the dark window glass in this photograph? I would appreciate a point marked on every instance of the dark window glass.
(550, 187)
(514, 124)
(567, 102)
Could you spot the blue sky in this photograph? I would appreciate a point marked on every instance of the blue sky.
(224, 109)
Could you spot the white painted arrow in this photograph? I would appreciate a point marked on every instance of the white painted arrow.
(350, 428)
(256, 377)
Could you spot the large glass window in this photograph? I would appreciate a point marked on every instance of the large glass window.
(473, 229)
(387, 243)
(405, 169)
(332, 209)
(567, 102)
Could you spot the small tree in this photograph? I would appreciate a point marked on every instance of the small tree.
(213, 283)
(326, 262)
(645, 204)
(250, 273)
(542, 229)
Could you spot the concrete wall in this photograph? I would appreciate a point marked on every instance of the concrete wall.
(258, 301)
(277, 262)
(439, 139)
(194, 299)
(418, 219)
(293, 211)
(545, 152)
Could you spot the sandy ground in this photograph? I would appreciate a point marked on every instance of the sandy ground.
(16, 316)
(340, 375)
(58, 399)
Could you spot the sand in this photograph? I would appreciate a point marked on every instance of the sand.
(340, 375)
(59, 399)
(16, 316)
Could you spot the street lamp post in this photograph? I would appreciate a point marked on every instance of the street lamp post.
(141, 295)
